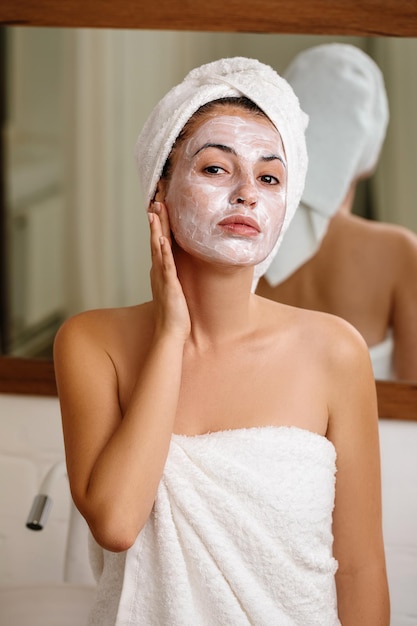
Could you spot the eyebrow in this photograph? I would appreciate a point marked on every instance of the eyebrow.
(219, 146)
(229, 150)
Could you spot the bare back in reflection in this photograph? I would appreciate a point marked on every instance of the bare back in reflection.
(332, 260)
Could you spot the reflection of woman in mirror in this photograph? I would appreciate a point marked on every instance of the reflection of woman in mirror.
(331, 260)
(203, 429)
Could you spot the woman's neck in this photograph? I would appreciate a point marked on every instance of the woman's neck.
(219, 299)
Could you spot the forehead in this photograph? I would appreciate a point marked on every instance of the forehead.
(232, 126)
(228, 115)
(215, 116)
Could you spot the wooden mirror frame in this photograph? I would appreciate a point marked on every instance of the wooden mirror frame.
(324, 17)
(391, 18)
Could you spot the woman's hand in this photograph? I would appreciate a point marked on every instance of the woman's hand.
(171, 310)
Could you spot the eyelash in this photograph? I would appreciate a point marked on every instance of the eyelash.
(209, 169)
(213, 170)
(272, 178)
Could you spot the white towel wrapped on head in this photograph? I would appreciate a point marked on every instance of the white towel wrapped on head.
(240, 534)
(233, 77)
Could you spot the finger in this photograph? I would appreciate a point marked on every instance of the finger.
(155, 234)
(161, 210)
(153, 208)
(167, 257)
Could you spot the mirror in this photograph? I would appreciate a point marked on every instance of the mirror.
(398, 17)
(76, 230)
(318, 16)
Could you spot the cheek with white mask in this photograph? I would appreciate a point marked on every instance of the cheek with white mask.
(229, 218)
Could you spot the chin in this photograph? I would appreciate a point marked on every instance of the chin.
(222, 254)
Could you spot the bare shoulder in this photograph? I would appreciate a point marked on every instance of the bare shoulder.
(342, 356)
(405, 247)
(399, 255)
(323, 337)
(106, 334)
(324, 356)
(101, 350)
(395, 241)
(102, 324)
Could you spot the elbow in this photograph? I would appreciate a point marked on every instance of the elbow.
(114, 533)
(115, 525)
(111, 542)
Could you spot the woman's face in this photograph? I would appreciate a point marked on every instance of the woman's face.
(227, 193)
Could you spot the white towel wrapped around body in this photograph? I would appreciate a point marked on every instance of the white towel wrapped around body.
(240, 534)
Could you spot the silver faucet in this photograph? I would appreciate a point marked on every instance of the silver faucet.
(42, 502)
(75, 568)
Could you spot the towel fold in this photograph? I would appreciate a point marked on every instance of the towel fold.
(240, 534)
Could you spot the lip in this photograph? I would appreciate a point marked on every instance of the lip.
(241, 224)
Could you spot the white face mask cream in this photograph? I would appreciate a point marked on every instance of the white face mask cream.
(227, 193)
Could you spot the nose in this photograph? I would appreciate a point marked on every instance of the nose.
(245, 194)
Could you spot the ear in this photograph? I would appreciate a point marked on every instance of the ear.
(161, 190)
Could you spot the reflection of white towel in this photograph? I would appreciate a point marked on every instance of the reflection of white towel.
(382, 358)
(240, 534)
(342, 90)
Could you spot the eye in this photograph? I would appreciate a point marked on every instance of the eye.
(213, 169)
(269, 179)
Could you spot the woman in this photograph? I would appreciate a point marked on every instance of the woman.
(332, 260)
(201, 428)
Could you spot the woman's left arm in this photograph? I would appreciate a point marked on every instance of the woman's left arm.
(361, 581)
